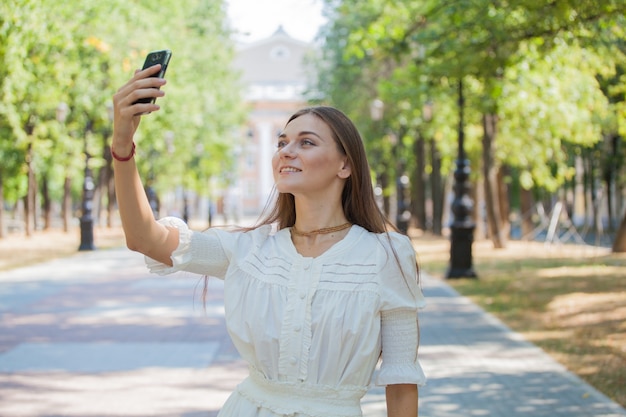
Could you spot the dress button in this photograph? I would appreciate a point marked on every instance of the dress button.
(293, 360)
(302, 295)
(297, 328)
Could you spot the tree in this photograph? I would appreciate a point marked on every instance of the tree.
(49, 55)
(478, 42)
(613, 86)
(25, 103)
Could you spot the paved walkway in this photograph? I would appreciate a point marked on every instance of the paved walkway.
(96, 335)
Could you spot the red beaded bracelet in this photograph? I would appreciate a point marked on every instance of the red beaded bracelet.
(128, 158)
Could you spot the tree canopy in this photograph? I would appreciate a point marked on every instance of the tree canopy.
(76, 54)
(550, 73)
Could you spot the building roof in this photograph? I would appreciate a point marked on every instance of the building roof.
(278, 59)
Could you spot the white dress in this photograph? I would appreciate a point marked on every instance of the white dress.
(311, 329)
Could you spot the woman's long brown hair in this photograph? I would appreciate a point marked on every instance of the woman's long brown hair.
(359, 204)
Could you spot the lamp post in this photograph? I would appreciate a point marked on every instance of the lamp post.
(462, 227)
(403, 214)
(86, 219)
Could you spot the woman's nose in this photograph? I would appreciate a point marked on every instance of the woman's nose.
(287, 151)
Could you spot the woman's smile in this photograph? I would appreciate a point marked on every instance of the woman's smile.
(289, 169)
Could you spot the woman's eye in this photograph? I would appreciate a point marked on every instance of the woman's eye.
(280, 144)
(307, 142)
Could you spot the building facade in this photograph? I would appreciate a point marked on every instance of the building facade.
(276, 77)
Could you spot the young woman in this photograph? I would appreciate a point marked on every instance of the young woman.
(313, 305)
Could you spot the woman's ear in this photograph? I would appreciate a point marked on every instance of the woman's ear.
(345, 170)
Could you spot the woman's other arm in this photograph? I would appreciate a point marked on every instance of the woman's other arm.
(402, 400)
(143, 233)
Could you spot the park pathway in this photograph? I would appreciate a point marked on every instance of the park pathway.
(95, 335)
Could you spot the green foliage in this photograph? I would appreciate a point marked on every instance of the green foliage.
(554, 99)
(534, 64)
(79, 53)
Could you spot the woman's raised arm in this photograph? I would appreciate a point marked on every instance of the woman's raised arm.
(143, 233)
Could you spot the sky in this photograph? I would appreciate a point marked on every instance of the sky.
(258, 19)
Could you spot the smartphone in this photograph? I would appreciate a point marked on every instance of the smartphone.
(156, 57)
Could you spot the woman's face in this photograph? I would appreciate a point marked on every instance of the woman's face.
(307, 161)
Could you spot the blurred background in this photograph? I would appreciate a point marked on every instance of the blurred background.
(506, 119)
(494, 130)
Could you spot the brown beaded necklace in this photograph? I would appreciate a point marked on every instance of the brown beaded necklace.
(322, 231)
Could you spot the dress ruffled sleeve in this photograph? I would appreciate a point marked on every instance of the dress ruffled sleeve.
(205, 253)
(401, 297)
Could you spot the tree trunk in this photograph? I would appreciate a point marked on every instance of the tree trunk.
(110, 185)
(478, 188)
(596, 200)
(31, 191)
(607, 178)
(611, 171)
(490, 177)
(384, 184)
(111, 199)
(503, 202)
(419, 183)
(102, 191)
(526, 204)
(67, 203)
(437, 191)
(46, 204)
(620, 184)
(588, 188)
(2, 226)
(619, 244)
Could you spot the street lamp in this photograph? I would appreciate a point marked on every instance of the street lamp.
(403, 214)
(462, 227)
(86, 219)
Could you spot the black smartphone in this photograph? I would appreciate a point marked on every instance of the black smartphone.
(156, 57)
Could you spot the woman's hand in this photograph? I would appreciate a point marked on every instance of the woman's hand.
(127, 112)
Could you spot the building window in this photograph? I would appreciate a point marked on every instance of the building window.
(251, 187)
(251, 161)
(280, 53)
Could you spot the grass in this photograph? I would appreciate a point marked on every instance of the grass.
(17, 249)
(569, 300)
